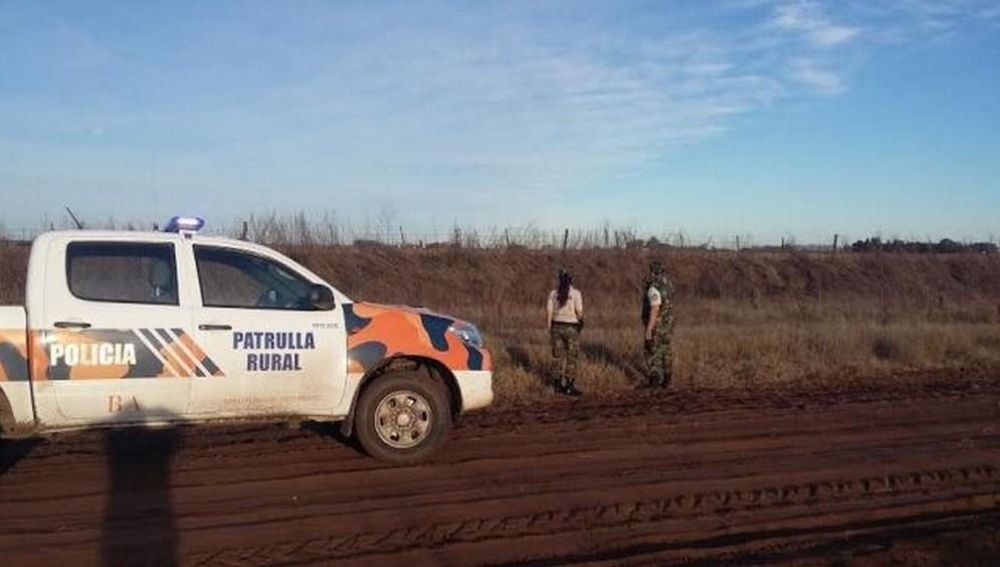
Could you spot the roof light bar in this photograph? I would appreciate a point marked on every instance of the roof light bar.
(181, 224)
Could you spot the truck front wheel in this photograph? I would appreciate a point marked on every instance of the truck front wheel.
(402, 417)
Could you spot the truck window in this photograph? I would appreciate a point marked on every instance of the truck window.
(233, 278)
(122, 272)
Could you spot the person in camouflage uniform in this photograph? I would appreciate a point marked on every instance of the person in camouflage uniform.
(565, 320)
(658, 324)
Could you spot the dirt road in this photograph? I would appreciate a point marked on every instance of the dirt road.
(861, 477)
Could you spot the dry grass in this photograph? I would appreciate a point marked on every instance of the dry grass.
(745, 319)
(770, 344)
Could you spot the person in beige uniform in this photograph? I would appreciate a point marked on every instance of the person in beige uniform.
(565, 320)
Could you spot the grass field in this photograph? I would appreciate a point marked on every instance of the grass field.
(745, 319)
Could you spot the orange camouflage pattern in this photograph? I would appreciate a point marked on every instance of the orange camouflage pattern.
(13, 355)
(378, 332)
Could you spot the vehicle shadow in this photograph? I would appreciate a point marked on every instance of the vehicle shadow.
(139, 526)
(331, 430)
(522, 360)
(14, 450)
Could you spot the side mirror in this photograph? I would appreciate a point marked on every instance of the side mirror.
(321, 298)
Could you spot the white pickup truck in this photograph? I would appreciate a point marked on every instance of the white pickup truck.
(138, 328)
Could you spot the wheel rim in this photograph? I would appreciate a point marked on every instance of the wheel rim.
(403, 419)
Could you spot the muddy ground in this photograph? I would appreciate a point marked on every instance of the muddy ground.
(892, 476)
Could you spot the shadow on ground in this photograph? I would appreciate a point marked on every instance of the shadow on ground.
(600, 352)
(139, 523)
(14, 450)
(521, 359)
(331, 430)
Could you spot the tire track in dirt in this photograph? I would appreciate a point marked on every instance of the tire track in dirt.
(976, 486)
(629, 480)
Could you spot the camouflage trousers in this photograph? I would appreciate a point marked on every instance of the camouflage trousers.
(659, 353)
(566, 351)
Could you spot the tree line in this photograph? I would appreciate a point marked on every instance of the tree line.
(943, 246)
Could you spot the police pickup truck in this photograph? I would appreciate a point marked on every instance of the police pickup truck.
(139, 328)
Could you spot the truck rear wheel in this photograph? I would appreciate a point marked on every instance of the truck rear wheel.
(402, 417)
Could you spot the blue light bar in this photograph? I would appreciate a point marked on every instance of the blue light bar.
(184, 224)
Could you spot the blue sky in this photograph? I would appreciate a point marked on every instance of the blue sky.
(763, 119)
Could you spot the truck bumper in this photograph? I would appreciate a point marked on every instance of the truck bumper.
(476, 388)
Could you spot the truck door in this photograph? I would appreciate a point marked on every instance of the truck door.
(277, 352)
(112, 332)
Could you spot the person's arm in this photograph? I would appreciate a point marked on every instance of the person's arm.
(578, 307)
(655, 301)
(654, 312)
(548, 313)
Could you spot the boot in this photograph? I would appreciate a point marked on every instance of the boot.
(571, 390)
(651, 382)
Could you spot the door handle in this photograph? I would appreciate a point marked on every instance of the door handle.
(208, 327)
(71, 325)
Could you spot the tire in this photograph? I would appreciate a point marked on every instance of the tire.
(402, 417)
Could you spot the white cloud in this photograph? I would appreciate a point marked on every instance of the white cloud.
(810, 74)
(810, 20)
(948, 15)
(904, 21)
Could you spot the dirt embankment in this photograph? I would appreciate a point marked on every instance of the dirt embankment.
(450, 277)
(516, 275)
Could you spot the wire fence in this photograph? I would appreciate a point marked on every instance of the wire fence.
(298, 230)
(489, 238)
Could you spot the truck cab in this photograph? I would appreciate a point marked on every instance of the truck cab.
(127, 328)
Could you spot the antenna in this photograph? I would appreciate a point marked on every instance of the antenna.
(79, 225)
